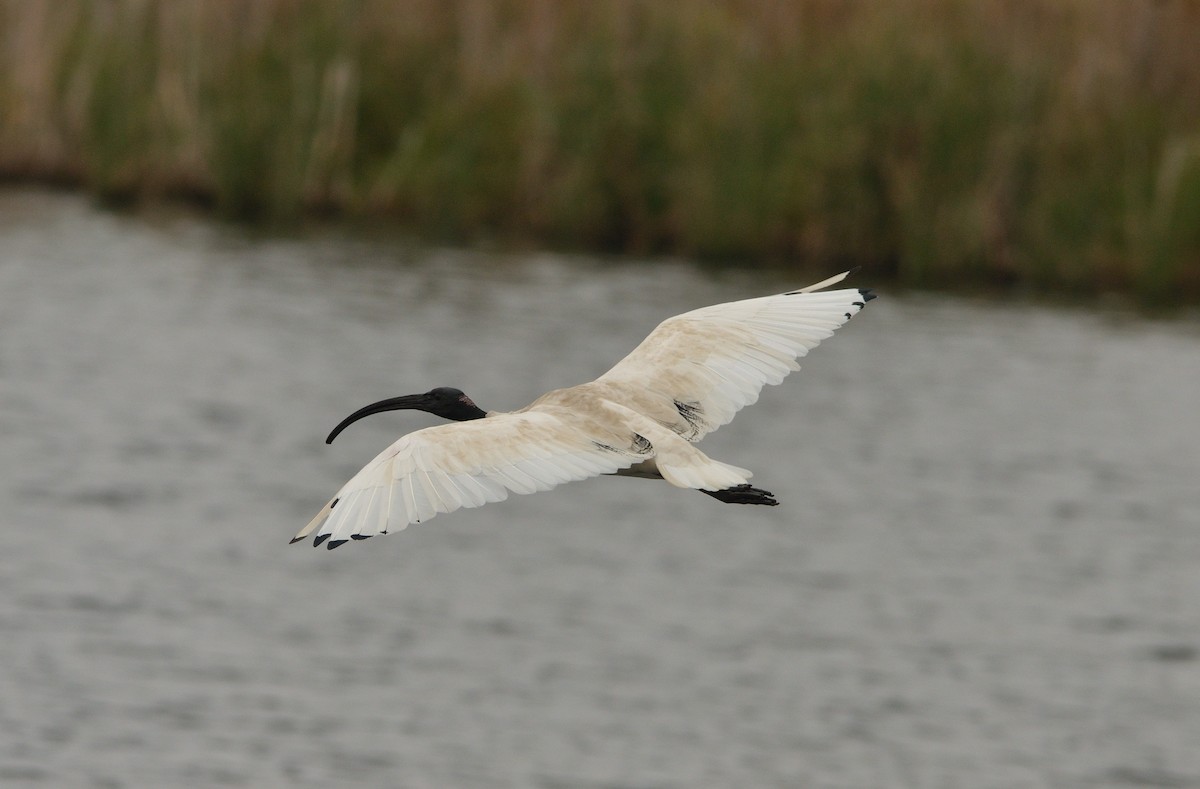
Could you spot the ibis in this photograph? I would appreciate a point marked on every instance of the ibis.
(642, 418)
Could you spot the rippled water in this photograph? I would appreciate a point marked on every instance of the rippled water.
(985, 571)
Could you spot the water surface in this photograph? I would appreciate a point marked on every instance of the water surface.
(985, 570)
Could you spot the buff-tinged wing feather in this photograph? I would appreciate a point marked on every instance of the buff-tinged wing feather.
(709, 363)
(466, 464)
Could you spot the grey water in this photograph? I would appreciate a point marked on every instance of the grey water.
(984, 572)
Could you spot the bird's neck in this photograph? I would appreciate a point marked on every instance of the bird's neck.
(462, 412)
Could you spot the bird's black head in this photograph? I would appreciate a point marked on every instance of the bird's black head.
(446, 402)
(450, 403)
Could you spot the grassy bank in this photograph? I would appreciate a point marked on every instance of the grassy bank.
(1048, 144)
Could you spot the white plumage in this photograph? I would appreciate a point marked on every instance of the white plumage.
(641, 418)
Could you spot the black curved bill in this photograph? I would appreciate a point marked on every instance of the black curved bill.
(391, 404)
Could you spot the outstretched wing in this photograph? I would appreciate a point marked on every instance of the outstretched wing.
(707, 364)
(465, 464)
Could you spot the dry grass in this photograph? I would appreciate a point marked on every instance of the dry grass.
(1051, 145)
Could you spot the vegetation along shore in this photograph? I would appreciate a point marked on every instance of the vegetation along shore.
(1053, 146)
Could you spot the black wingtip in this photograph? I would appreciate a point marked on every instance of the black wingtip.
(335, 543)
(867, 294)
(361, 536)
(320, 538)
(295, 540)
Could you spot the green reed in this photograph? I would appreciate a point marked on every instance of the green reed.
(1050, 146)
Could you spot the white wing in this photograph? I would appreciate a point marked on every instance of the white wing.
(701, 367)
(465, 464)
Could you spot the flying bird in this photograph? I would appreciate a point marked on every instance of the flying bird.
(642, 418)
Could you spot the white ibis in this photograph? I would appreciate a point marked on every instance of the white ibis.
(641, 418)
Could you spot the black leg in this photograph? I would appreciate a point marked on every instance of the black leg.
(744, 494)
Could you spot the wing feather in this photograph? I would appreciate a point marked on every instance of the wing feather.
(465, 464)
(716, 360)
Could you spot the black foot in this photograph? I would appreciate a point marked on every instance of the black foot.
(744, 494)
